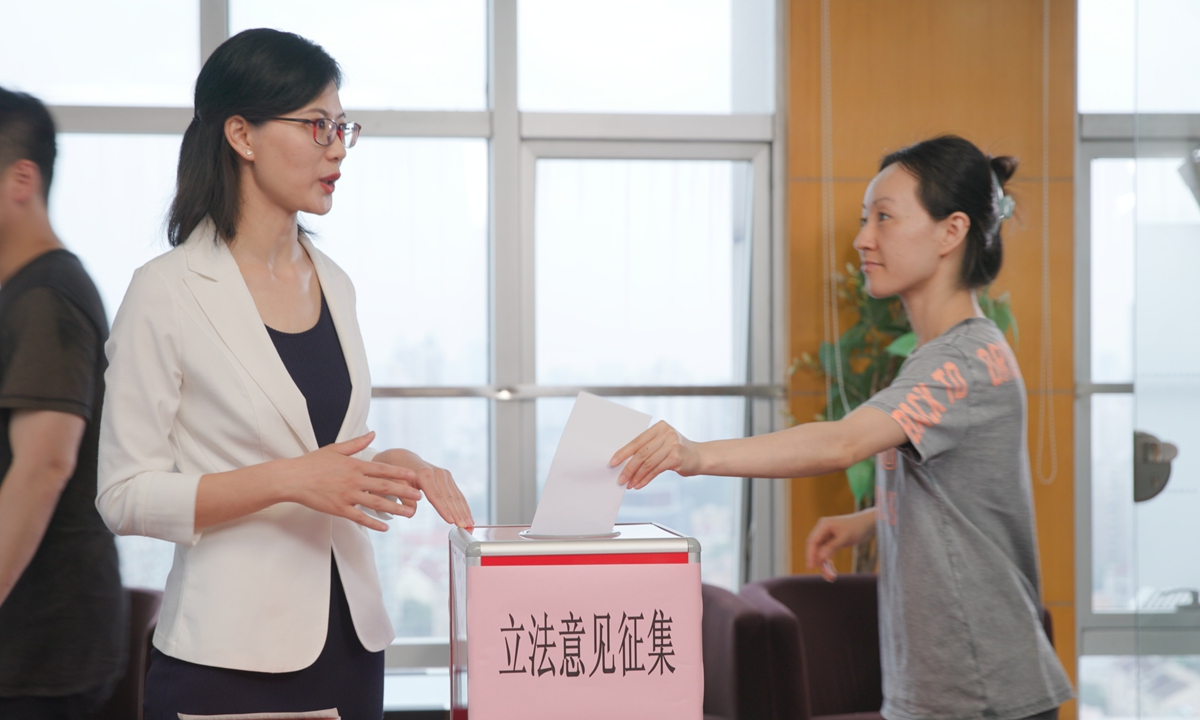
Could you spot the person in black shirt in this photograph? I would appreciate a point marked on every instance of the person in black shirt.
(62, 610)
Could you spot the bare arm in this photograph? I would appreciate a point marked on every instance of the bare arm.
(801, 451)
(328, 480)
(45, 447)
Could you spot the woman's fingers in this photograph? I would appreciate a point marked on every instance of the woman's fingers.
(464, 506)
(402, 490)
(446, 498)
(637, 461)
(360, 517)
(652, 467)
(384, 505)
(817, 539)
(353, 446)
(462, 514)
(383, 470)
(631, 447)
(828, 571)
(826, 538)
(638, 443)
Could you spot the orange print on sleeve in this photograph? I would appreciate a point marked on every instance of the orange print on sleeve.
(1001, 365)
(915, 418)
(949, 377)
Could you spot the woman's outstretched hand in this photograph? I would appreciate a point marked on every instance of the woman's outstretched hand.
(655, 451)
(332, 481)
(437, 483)
(834, 533)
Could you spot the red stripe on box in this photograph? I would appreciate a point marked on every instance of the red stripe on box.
(673, 558)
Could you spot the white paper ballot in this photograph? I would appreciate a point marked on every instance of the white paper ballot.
(581, 496)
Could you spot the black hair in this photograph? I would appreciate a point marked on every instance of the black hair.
(955, 176)
(27, 133)
(257, 74)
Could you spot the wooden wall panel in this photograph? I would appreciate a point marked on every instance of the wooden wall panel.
(902, 71)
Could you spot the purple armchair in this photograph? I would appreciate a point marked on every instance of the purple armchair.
(824, 645)
(737, 680)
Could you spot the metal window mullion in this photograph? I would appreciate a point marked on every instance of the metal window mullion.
(758, 533)
(512, 424)
(1084, 615)
(120, 120)
(214, 26)
(781, 492)
(636, 126)
(644, 150)
(1148, 126)
(175, 120)
(423, 123)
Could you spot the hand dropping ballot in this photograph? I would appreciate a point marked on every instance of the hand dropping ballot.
(582, 496)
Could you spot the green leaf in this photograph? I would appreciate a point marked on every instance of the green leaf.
(824, 353)
(862, 479)
(903, 345)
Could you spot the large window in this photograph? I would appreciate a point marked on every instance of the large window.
(548, 197)
(1138, 236)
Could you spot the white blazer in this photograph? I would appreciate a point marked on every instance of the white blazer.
(195, 386)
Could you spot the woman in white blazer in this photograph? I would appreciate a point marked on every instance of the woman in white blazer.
(235, 416)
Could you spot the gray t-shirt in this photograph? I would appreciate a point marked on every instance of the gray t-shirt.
(959, 598)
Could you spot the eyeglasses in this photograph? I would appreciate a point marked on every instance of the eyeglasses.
(324, 129)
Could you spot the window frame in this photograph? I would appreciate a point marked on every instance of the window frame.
(516, 139)
(1124, 136)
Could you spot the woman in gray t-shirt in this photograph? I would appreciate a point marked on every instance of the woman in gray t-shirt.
(959, 592)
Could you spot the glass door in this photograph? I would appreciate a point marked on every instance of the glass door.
(1138, 364)
(1166, 435)
(1141, 638)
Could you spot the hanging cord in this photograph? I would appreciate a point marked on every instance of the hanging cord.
(829, 299)
(1046, 431)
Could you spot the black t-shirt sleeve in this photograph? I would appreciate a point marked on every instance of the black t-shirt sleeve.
(51, 350)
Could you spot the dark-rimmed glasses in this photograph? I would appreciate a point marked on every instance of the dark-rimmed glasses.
(324, 130)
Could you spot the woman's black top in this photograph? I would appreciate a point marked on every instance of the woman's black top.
(345, 675)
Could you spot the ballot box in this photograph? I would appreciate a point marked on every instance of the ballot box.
(579, 628)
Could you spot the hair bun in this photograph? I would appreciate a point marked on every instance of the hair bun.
(1004, 167)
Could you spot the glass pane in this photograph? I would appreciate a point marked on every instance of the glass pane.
(1138, 55)
(108, 203)
(409, 225)
(1167, 379)
(412, 555)
(647, 56)
(1112, 222)
(1129, 686)
(642, 271)
(706, 508)
(1113, 581)
(123, 52)
(396, 54)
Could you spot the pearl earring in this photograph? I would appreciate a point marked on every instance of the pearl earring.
(249, 152)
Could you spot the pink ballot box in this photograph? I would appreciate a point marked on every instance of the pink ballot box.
(589, 628)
